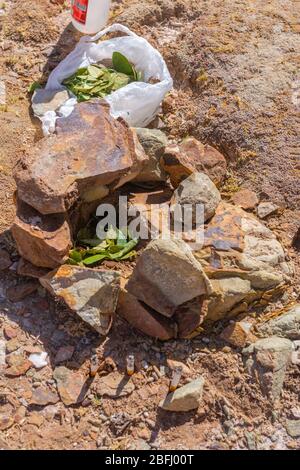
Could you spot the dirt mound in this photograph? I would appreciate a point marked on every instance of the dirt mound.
(29, 22)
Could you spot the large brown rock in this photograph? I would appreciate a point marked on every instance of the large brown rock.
(42, 240)
(90, 153)
(189, 316)
(167, 275)
(144, 318)
(180, 161)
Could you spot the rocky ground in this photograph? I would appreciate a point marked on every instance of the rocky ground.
(235, 65)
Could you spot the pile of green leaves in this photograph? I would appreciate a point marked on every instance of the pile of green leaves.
(97, 81)
(117, 246)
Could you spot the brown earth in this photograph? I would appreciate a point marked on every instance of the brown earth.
(235, 65)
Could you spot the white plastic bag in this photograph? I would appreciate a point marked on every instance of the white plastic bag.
(138, 102)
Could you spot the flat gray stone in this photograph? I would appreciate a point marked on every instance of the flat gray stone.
(285, 326)
(266, 208)
(48, 100)
(243, 259)
(91, 294)
(185, 398)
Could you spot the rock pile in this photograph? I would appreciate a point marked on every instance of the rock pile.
(91, 154)
(241, 262)
(175, 286)
(243, 259)
(59, 185)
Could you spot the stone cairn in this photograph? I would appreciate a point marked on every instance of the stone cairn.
(171, 291)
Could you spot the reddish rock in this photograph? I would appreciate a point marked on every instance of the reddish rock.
(19, 365)
(189, 316)
(172, 364)
(224, 231)
(6, 418)
(90, 152)
(246, 199)
(267, 361)
(42, 396)
(10, 332)
(5, 261)
(44, 241)
(25, 268)
(71, 385)
(238, 334)
(180, 161)
(144, 318)
(19, 292)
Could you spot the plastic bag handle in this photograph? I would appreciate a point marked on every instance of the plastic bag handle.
(110, 29)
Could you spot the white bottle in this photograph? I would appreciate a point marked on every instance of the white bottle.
(90, 16)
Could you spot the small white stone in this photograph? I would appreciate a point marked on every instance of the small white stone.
(39, 360)
(266, 208)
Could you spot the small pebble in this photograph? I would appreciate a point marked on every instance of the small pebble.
(206, 340)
